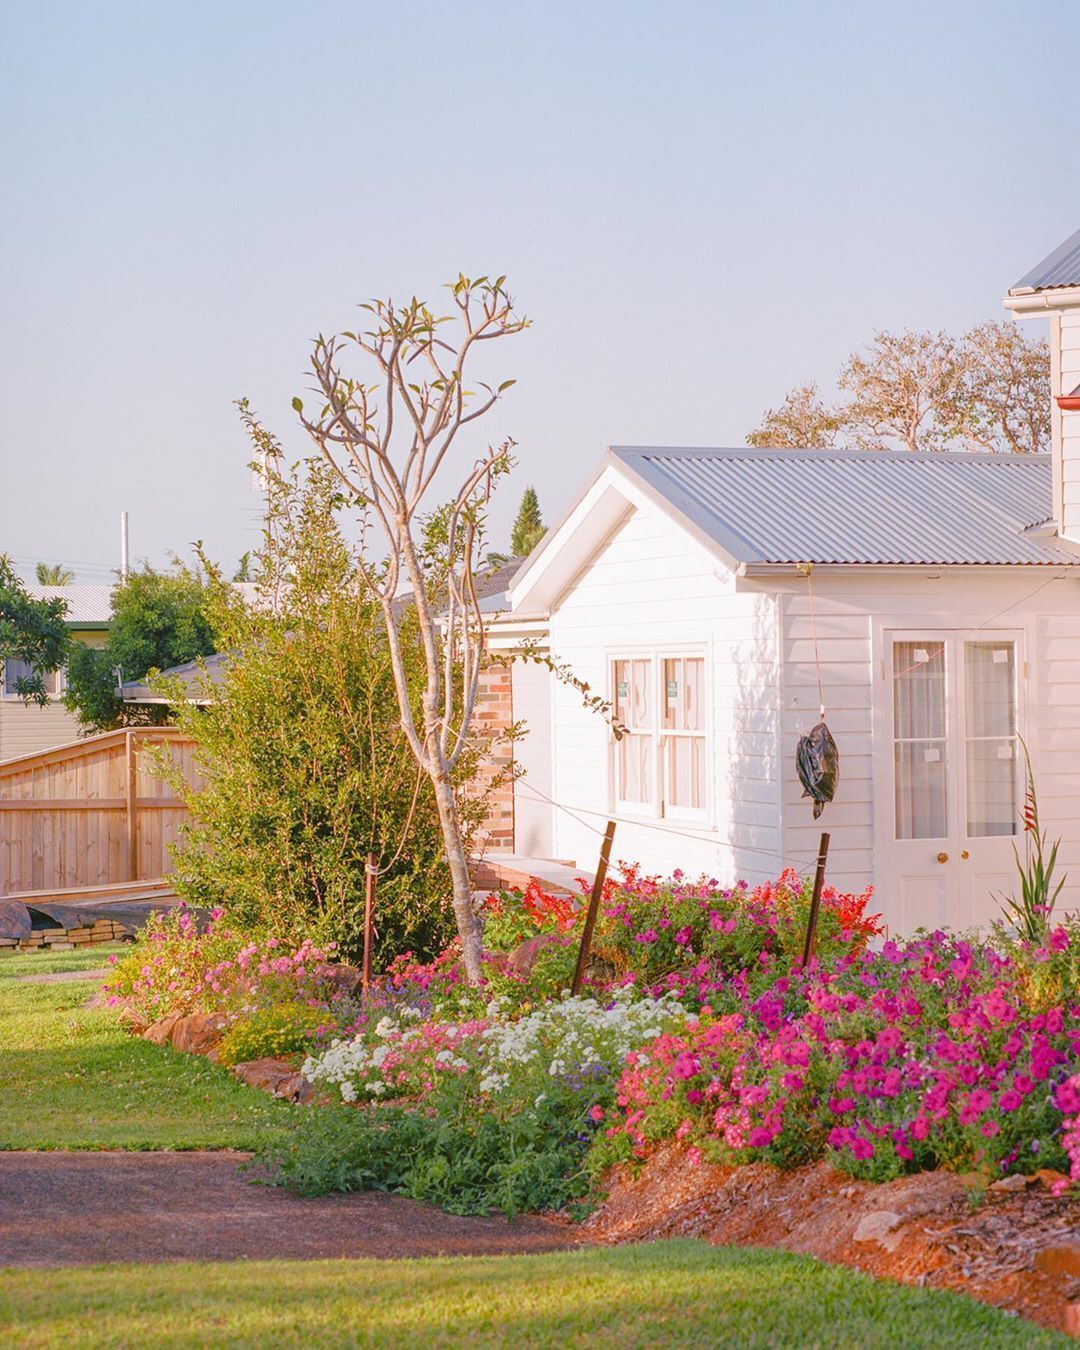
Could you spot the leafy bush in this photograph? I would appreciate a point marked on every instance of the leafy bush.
(282, 1029)
(301, 747)
(159, 619)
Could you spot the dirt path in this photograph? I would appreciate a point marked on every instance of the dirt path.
(82, 1208)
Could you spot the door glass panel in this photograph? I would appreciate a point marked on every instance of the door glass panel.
(920, 746)
(634, 757)
(990, 734)
(686, 772)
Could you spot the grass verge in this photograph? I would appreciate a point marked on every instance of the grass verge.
(72, 1078)
(669, 1293)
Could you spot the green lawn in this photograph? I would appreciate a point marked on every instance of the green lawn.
(54, 963)
(671, 1293)
(72, 1078)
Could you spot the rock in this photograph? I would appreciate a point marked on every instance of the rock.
(159, 1032)
(1050, 1178)
(295, 1088)
(878, 1227)
(1063, 1258)
(525, 955)
(1014, 1183)
(1071, 1322)
(15, 921)
(343, 978)
(197, 1033)
(276, 1076)
(135, 1022)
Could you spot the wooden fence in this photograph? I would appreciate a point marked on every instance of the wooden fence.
(91, 813)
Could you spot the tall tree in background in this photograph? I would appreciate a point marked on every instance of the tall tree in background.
(53, 574)
(529, 527)
(989, 390)
(898, 390)
(801, 422)
(1003, 398)
(34, 639)
(159, 620)
(386, 439)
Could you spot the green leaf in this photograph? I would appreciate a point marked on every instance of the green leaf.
(298, 405)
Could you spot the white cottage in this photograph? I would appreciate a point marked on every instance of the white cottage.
(717, 597)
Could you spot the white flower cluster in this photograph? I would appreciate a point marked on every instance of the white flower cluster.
(575, 1037)
(355, 1065)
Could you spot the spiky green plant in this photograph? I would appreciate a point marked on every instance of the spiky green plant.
(1030, 911)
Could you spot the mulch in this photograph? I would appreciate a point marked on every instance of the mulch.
(86, 1208)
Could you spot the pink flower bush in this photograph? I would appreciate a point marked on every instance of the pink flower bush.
(180, 965)
(922, 1055)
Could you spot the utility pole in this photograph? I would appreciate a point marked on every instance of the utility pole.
(123, 546)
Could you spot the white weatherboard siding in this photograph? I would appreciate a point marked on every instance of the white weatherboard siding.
(647, 589)
(26, 729)
(849, 609)
(1070, 423)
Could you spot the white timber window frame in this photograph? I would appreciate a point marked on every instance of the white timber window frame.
(659, 769)
(13, 669)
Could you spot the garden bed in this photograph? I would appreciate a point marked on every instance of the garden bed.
(1016, 1248)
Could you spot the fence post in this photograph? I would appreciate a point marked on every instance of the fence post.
(594, 904)
(131, 802)
(371, 871)
(815, 900)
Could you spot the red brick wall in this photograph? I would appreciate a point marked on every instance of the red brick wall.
(495, 712)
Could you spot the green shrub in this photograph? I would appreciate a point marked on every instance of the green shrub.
(306, 767)
(284, 1029)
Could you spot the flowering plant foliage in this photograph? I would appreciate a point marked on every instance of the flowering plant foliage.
(512, 916)
(921, 1055)
(181, 965)
(690, 937)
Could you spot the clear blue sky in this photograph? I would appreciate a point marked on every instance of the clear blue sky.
(699, 205)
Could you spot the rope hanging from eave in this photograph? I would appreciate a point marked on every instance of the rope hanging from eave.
(817, 760)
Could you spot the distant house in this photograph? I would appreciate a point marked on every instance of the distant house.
(27, 729)
(719, 597)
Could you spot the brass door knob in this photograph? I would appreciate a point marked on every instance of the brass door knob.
(965, 855)
(943, 857)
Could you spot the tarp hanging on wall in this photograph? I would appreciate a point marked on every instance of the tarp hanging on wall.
(817, 762)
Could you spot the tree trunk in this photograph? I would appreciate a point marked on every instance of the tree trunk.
(470, 928)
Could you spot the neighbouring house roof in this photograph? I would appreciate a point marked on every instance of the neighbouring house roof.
(85, 604)
(1060, 268)
(759, 509)
(190, 674)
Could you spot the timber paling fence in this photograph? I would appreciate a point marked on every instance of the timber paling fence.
(93, 813)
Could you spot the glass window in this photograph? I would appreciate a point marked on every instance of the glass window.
(634, 751)
(16, 670)
(990, 735)
(920, 748)
(684, 738)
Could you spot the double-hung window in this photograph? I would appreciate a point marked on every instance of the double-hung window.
(659, 761)
(16, 670)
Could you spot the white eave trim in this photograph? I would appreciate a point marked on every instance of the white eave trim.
(1041, 302)
(789, 569)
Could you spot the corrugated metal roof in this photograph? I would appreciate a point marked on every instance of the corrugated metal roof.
(1060, 268)
(822, 506)
(85, 604)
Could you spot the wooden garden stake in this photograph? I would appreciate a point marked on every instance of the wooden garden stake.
(371, 871)
(815, 900)
(594, 905)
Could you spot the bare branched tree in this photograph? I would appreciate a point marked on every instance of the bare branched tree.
(897, 388)
(387, 441)
(801, 422)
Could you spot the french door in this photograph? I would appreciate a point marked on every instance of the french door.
(956, 781)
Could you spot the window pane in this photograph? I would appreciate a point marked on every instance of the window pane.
(639, 694)
(633, 757)
(683, 678)
(920, 790)
(686, 772)
(990, 679)
(919, 689)
(990, 698)
(991, 788)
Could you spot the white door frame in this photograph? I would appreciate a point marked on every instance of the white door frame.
(969, 627)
